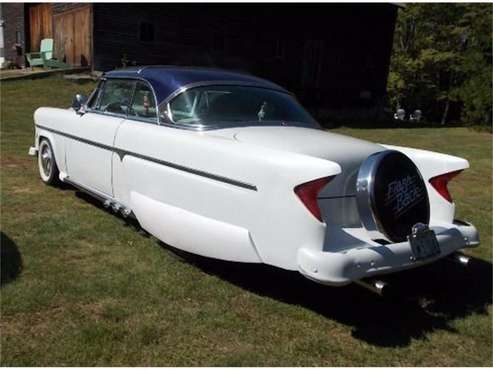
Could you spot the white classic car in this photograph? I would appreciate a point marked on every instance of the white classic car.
(230, 166)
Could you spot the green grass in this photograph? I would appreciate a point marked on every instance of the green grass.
(88, 289)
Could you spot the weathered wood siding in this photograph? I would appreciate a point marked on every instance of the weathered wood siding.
(41, 25)
(73, 35)
(69, 24)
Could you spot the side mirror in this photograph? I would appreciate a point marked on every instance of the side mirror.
(78, 103)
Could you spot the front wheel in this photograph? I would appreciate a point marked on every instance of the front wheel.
(48, 170)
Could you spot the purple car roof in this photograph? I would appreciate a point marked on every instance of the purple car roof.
(167, 80)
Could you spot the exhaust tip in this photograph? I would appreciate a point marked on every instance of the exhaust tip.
(126, 212)
(461, 259)
(376, 286)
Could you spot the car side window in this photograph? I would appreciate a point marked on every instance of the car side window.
(143, 104)
(116, 96)
(91, 104)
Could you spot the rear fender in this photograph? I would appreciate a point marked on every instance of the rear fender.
(432, 164)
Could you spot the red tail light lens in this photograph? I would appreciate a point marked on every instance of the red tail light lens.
(308, 193)
(440, 184)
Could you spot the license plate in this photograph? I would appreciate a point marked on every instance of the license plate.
(424, 243)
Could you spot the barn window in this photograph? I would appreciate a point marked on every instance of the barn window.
(279, 48)
(146, 32)
(218, 42)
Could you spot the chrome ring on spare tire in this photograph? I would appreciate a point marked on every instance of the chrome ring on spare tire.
(391, 196)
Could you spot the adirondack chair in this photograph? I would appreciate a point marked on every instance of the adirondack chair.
(45, 56)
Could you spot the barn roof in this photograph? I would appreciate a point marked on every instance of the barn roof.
(167, 80)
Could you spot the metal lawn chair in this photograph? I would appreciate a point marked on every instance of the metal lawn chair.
(45, 56)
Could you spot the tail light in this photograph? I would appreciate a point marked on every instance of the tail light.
(440, 184)
(308, 193)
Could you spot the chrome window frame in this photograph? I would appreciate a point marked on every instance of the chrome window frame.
(100, 90)
(103, 87)
(97, 90)
(164, 106)
(161, 107)
(135, 118)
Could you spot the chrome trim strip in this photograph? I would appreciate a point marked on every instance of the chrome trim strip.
(122, 153)
(195, 172)
(77, 138)
(96, 194)
(218, 83)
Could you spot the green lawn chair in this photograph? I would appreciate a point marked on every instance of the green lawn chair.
(45, 56)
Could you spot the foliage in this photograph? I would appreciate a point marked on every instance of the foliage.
(441, 62)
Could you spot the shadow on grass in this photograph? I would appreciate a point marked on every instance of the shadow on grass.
(428, 297)
(11, 260)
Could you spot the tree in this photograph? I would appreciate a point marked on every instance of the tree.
(438, 51)
(476, 91)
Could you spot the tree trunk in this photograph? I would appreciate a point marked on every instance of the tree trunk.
(445, 112)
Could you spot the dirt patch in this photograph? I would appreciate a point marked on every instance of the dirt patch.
(16, 162)
(39, 322)
(23, 190)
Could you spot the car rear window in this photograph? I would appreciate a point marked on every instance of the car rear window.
(232, 105)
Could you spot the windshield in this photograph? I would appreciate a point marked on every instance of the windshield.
(230, 105)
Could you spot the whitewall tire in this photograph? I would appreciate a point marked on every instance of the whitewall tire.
(48, 170)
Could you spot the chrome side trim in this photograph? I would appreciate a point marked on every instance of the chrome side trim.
(218, 83)
(96, 194)
(122, 153)
(193, 171)
(77, 138)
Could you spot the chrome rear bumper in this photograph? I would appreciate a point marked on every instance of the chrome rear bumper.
(365, 260)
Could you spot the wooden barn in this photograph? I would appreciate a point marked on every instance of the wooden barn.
(332, 55)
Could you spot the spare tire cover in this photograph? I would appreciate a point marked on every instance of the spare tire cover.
(391, 195)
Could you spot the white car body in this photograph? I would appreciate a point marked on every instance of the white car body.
(228, 193)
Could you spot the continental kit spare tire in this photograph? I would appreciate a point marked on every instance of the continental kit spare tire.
(391, 195)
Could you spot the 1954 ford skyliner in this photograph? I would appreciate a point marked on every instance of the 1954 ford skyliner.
(230, 166)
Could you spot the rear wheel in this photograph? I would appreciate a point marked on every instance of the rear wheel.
(48, 170)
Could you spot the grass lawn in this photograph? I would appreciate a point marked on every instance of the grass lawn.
(82, 287)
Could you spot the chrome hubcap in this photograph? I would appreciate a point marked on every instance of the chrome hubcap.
(46, 160)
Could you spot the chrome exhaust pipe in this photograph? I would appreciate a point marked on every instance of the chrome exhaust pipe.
(376, 286)
(459, 258)
(126, 212)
